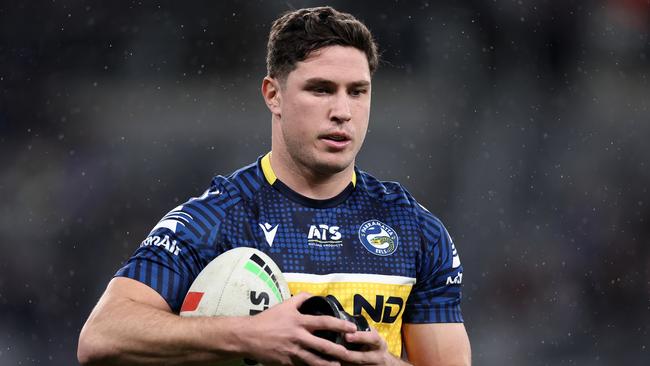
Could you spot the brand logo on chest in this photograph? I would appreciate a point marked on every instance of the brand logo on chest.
(324, 236)
(269, 232)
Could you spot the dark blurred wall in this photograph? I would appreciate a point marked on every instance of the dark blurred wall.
(523, 125)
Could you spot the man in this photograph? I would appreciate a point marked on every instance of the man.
(331, 228)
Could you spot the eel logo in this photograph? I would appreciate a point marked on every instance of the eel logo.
(378, 238)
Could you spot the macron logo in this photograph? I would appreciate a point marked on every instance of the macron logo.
(269, 232)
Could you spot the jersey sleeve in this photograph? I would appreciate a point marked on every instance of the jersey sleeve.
(177, 248)
(436, 295)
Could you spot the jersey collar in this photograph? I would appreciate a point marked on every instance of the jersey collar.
(273, 180)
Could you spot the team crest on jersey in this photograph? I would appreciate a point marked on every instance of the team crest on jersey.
(378, 238)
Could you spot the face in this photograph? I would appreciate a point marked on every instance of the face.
(322, 111)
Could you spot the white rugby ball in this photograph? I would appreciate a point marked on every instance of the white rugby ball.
(242, 281)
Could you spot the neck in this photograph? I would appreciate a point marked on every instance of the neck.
(308, 182)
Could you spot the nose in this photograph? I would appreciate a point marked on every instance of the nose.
(340, 110)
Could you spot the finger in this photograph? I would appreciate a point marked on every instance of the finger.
(364, 357)
(298, 299)
(373, 350)
(310, 358)
(323, 347)
(326, 322)
(371, 339)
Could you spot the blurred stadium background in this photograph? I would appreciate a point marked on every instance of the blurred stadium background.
(523, 125)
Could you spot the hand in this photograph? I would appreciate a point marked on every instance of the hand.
(374, 350)
(282, 335)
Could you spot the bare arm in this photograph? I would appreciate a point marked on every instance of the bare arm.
(132, 324)
(444, 344)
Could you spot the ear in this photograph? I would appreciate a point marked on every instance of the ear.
(272, 95)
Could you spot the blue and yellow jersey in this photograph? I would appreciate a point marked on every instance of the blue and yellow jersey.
(372, 247)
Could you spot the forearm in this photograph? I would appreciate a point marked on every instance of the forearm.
(127, 332)
(132, 324)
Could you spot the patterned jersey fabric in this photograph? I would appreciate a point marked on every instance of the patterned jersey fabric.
(372, 247)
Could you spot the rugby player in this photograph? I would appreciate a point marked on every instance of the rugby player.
(332, 228)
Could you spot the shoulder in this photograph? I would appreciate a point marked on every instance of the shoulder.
(385, 191)
(200, 215)
(395, 193)
(240, 185)
(243, 183)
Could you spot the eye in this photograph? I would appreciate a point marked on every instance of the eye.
(358, 92)
(319, 89)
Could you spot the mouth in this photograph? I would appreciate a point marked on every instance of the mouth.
(336, 137)
(336, 141)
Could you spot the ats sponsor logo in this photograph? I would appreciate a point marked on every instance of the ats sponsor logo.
(324, 236)
(170, 245)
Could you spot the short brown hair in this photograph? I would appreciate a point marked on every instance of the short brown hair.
(298, 33)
